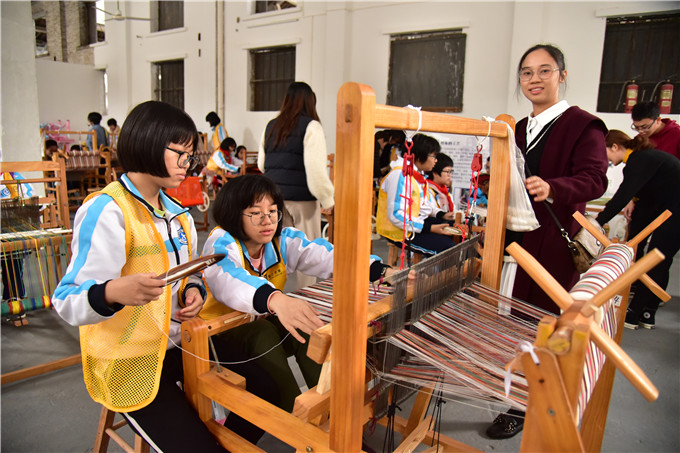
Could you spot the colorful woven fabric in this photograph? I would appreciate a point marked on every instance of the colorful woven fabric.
(613, 262)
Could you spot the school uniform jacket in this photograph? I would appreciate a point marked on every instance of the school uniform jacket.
(218, 136)
(218, 162)
(235, 283)
(99, 254)
(392, 209)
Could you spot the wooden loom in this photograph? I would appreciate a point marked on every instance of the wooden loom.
(357, 118)
(49, 250)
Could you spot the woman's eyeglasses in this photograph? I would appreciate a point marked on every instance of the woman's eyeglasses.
(185, 159)
(544, 73)
(257, 218)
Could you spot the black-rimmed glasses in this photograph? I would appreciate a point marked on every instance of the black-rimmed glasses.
(644, 127)
(257, 218)
(543, 72)
(185, 159)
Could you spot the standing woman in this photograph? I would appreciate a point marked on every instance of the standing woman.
(219, 131)
(653, 177)
(566, 165)
(293, 154)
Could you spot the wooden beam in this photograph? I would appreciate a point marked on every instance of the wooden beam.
(353, 192)
(37, 370)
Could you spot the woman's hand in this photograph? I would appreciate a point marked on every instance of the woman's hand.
(449, 215)
(193, 303)
(538, 188)
(441, 228)
(294, 314)
(390, 271)
(136, 289)
(628, 210)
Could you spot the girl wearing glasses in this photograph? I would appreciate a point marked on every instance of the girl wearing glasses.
(123, 238)
(439, 182)
(566, 166)
(260, 253)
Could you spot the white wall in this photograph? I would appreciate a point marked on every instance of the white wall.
(130, 49)
(19, 130)
(68, 91)
(349, 41)
(578, 29)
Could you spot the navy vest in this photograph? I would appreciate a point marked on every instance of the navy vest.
(285, 163)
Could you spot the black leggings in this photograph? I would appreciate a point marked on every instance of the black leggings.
(170, 424)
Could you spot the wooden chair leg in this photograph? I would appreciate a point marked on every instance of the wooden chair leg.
(107, 431)
(101, 442)
(392, 255)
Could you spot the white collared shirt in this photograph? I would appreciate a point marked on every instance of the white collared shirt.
(536, 124)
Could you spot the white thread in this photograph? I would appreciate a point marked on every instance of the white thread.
(410, 134)
(488, 133)
(146, 307)
(522, 346)
(491, 406)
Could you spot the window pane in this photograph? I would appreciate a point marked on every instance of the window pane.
(41, 37)
(427, 69)
(262, 6)
(166, 15)
(169, 82)
(272, 71)
(643, 49)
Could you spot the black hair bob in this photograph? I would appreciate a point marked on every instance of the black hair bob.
(238, 195)
(147, 130)
(94, 117)
(423, 146)
(213, 119)
(227, 143)
(443, 161)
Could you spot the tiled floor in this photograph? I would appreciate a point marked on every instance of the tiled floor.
(53, 413)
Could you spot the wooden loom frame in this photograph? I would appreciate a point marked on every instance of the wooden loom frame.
(357, 118)
(58, 216)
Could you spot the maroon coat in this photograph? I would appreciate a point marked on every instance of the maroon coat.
(574, 163)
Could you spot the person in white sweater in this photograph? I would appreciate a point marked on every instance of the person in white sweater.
(293, 154)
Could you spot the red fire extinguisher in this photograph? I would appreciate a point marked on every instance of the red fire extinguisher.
(631, 96)
(666, 97)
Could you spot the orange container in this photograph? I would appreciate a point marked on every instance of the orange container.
(189, 193)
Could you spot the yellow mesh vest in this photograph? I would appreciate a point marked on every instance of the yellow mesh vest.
(12, 188)
(383, 225)
(123, 356)
(212, 166)
(275, 275)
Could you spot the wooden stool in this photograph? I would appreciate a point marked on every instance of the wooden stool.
(394, 251)
(107, 430)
